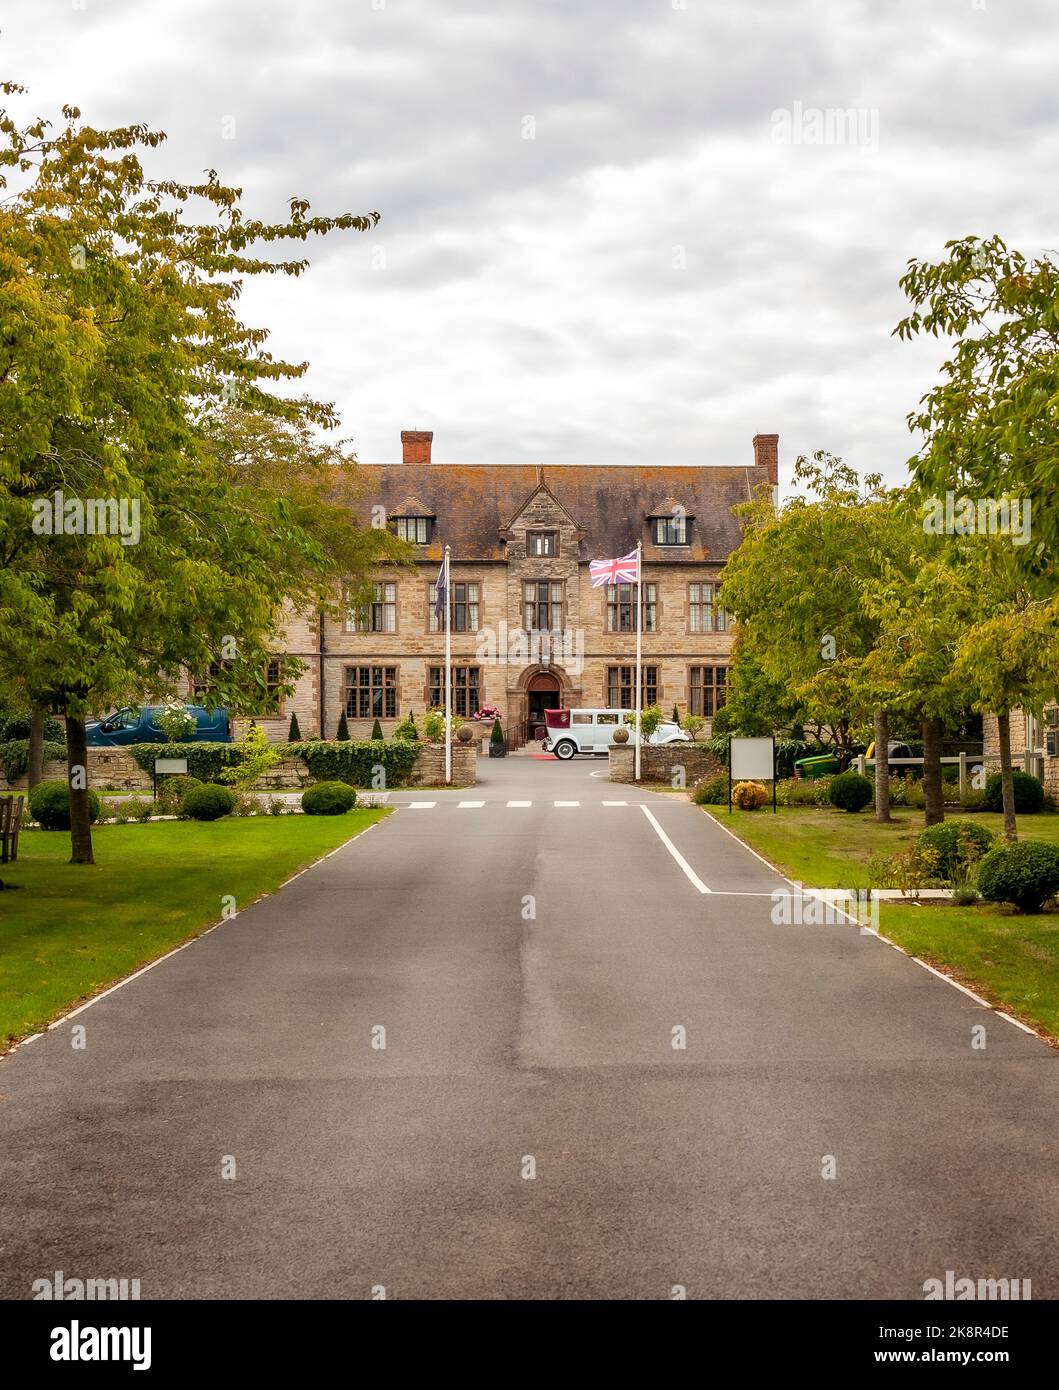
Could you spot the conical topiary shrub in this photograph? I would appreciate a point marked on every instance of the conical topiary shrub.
(294, 734)
(676, 715)
(497, 746)
(343, 729)
(376, 730)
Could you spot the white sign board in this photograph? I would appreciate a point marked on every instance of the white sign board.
(170, 765)
(753, 759)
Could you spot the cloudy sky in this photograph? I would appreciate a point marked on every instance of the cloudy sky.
(599, 242)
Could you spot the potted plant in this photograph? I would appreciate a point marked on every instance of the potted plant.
(497, 746)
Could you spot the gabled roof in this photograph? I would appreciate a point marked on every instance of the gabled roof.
(474, 503)
(411, 506)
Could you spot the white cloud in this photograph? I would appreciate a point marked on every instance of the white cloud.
(530, 309)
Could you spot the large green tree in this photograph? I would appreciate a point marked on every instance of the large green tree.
(122, 358)
(798, 585)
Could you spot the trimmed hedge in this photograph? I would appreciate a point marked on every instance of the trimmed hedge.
(49, 805)
(208, 802)
(354, 761)
(1024, 872)
(14, 756)
(351, 761)
(850, 791)
(205, 760)
(1029, 793)
(328, 799)
(956, 842)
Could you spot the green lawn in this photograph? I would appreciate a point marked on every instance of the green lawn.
(1011, 960)
(68, 930)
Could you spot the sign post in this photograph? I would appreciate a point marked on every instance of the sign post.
(752, 760)
(166, 766)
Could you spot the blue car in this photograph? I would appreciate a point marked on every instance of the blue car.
(132, 725)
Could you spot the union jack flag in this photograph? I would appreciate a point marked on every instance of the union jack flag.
(624, 570)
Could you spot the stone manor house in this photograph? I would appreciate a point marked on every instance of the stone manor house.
(528, 630)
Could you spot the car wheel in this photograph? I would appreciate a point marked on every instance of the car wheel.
(564, 749)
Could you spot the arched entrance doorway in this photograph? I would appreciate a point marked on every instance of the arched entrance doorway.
(542, 693)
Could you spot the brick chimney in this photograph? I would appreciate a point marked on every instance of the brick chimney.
(415, 446)
(767, 456)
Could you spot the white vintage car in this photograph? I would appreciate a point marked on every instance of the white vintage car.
(573, 731)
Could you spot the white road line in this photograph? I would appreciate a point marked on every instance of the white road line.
(566, 803)
(520, 803)
(421, 805)
(1017, 1024)
(470, 805)
(692, 875)
(955, 983)
(615, 803)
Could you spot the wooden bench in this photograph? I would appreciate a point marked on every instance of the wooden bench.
(10, 820)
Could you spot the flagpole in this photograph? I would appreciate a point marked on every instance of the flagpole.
(639, 647)
(448, 671)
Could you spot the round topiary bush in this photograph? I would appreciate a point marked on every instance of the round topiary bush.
(328, 799)
(171, 792)
(1029, 793)
(956, 842)
(208, 801)
(1025, 873)
(849, 791)
(749, 796)
(49, 804)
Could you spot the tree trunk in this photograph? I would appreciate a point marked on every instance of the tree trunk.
(35, 765)
(934, 806)
(882, 766)
(1007, 782)
(77, 767)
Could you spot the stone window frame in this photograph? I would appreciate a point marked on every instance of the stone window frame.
(612, 599)
(543, 532)
(465, 689)
(552, 625)
(714, 688)
(718, 618)
(353, 624)
(649, 682)
(436, 624)
(385, 686)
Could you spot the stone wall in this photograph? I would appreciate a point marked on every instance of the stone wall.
(429, 768)
(658, 764)
(991, 747)
(117, 770)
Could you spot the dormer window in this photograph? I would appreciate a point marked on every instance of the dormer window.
(671, 530)
(415, 529)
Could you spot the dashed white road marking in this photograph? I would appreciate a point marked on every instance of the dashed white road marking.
(421, 805)
(520, 803)
(469, 805)
(566, 803)
(615, 803)
(688, 870)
